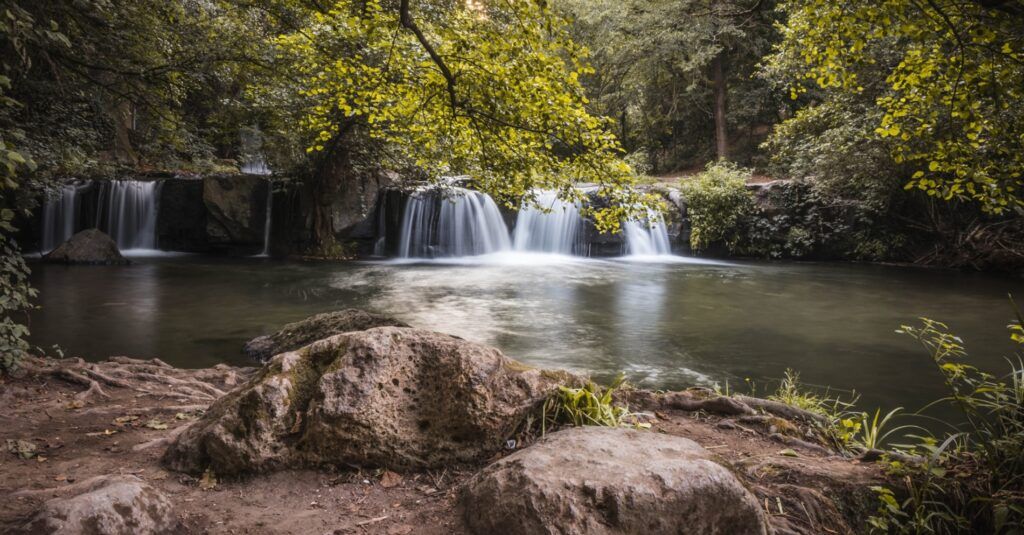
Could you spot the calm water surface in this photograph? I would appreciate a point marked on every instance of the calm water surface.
(666, 324)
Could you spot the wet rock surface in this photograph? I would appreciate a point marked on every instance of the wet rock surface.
(610, 481)
(389, 396)
(300, 333)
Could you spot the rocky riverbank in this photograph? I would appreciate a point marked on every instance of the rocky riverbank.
(399, 430)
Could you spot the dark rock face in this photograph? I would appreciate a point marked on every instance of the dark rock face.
(594, 480)
(295, 335)
(181, 220)
(236, 209)
(108, 505)
(388, 396)
(90, 246)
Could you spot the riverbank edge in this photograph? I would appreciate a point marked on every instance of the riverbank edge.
(91, 419)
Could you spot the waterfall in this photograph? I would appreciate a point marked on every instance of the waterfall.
(127, 212)
(60, 215)
(451, 222)
(558, 230)
(124, 209)
(646, 238)
(255, 165)
(268, 220)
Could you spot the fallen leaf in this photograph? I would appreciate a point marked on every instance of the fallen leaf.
(121, 420)
(182, 416)
(74, 404)
(156, 424)
(390, 479)
(40, 459)
(788, 452)
(21, 448)
(208, 481)
(158, 476)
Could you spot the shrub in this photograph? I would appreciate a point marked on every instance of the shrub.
(15, 298)
(717, 200)
(971, 480)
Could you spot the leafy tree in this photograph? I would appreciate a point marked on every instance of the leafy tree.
(676, 74)
(488, 90)
(946, 77)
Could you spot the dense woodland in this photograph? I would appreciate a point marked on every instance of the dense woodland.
(893, 131)
(899, 122)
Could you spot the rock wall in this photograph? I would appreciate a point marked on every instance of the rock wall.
(236, 210)
(181, 220)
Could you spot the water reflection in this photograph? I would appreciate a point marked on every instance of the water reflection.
(664, 324)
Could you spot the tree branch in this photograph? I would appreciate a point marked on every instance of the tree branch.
(407, 22)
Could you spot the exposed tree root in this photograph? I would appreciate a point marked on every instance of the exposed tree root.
(148, 377)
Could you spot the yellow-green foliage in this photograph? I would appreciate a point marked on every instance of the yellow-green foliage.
(971, 480)
(589, 404)
(954, 83)
(716, 202)
(500, 101)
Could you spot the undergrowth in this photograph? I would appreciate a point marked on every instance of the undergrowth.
(589, 404)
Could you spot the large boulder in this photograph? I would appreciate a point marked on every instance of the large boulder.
(295, 335)
(595, 480)
(90, 246)
(106, 505)
(388, 396)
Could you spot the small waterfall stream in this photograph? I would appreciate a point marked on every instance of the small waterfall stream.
(125, 209)
(646, 238)
(451, 222)
(558, 230)
(268, 220)
(59, 216)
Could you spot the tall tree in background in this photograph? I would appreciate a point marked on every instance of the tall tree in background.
(677, 74)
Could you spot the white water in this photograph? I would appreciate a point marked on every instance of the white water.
(451, 222)
(267, 222)
(59, 217)
(125, 209)
(553, 226)
(255, 166)
(646, 238)
(454, 222)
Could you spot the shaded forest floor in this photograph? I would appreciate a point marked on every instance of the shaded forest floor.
(74, 437)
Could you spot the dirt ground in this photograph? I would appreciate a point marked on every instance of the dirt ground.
(124, 431)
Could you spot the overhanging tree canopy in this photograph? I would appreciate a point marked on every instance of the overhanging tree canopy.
(491, 91)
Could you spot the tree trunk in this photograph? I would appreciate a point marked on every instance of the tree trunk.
(331, 174)
(122, 116)
(719, 87)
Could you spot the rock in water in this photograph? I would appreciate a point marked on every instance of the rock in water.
(599, 480)
(109, 505)
(389, 396)
(301, 333)
(90, 246)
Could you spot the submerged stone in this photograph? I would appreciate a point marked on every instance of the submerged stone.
(300, 333)
(388, 396)
(90, 246)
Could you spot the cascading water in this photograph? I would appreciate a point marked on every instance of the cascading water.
(124, 209)
(451, 222)
(59, 217)
(128, 210)
(268, 219)
(646, 238)
(557, 230)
